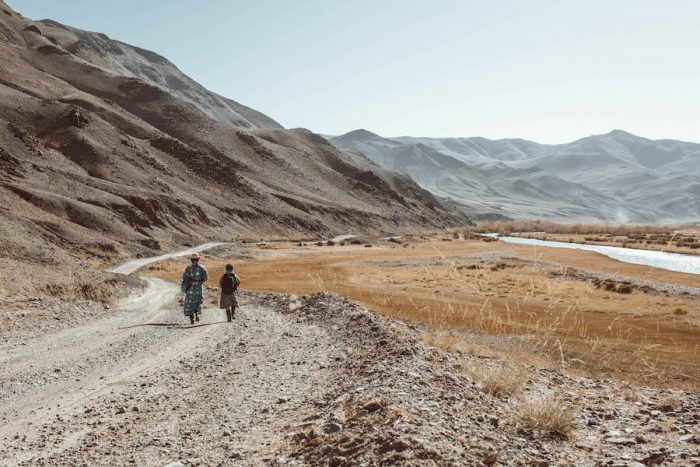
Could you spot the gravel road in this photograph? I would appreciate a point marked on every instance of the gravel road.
(140, 386)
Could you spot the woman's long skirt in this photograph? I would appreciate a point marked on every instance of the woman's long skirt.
(194, 298)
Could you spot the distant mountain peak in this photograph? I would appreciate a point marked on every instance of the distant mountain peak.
(361, 132)
(622, 134)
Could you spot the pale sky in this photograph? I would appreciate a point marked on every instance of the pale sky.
(550, 71)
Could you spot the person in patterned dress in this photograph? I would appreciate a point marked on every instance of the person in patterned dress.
(193, 280)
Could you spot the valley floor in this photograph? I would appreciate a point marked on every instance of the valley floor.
(572, 310)
(315, 380)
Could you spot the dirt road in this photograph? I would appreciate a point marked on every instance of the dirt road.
(185, 391)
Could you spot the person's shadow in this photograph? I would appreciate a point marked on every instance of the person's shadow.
(173, 325)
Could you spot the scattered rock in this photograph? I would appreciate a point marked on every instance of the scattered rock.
(655, 458)
(332, 427)
(621, 440)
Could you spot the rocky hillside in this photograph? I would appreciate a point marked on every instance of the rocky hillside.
(612, 177)
(107, 148)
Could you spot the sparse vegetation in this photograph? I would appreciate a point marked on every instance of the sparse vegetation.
(505, 381)
(674, 238)
(546, 415)
(355, 409)
(670, 402)
(508, 227)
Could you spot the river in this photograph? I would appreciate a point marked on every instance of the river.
(658, 259)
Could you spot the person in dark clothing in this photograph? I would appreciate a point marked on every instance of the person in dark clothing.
(229, 283)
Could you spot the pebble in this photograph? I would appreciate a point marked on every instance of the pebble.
(620, 440)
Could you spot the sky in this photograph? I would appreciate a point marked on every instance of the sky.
(549, 71)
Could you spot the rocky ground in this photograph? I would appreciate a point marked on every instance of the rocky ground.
(309, 381)
(397, 400)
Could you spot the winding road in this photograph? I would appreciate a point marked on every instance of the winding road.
(140, 386)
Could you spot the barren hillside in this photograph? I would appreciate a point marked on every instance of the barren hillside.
(613, 177)
(107, 148)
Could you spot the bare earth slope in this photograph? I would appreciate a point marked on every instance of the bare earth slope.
(107, 148)
(147, 66)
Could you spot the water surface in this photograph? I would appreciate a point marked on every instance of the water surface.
(657, 259)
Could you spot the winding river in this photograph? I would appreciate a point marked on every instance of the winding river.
(657, 259)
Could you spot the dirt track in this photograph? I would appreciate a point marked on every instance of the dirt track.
(180, 386)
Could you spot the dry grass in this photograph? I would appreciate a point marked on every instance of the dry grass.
(504, 227)
(447, 342)
(506, 381)
(547, 415)
(683, 239)
(671, 402)
(354, 408)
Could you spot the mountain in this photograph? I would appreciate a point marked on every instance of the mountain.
(149, 67)
(107, 148)
(613, 177)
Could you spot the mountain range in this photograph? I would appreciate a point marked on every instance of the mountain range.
(612, 177)
(107, 150)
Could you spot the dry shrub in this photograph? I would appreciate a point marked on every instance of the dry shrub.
(624, 288)
(680, 312)
(355, 409)
(506, 381)
(612, 286)
(670, 402)
(447, 342)
(468, 266)
(548, 415)
(504, 227)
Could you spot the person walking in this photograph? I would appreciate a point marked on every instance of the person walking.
(192, 286)
(229, 283)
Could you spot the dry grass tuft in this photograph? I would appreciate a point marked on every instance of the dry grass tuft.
(670, 402)
(447, 342)
(506, 381)
(355, 409)
(550, 416)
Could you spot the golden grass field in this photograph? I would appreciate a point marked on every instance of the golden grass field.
(516, 302)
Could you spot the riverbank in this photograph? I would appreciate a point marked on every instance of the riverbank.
(683, 239)
(649, 258)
